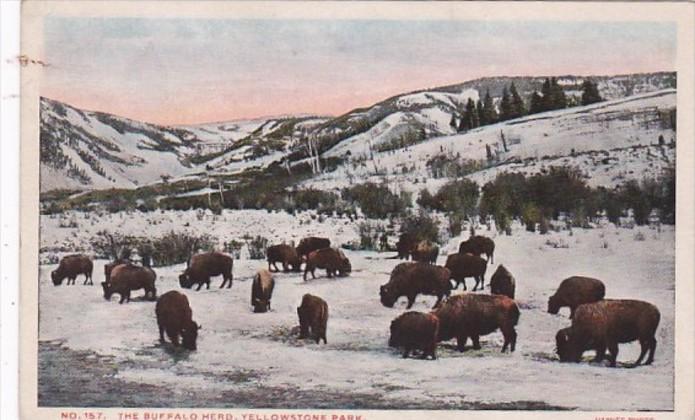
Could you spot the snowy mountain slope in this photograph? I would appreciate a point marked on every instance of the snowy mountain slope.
(623, 130)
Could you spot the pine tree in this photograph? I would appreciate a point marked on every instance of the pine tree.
(489, 111)
(506, 105)
(470, 117)
(479, 116)
(590, 93)
(536, 103)
(517, 104)
(546, 93)
(452, 123)
(558, 98)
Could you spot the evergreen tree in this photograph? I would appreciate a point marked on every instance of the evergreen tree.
(489, 111)
(452, 123)
(536, 103)
(506, 105)
(546, 93)
(517, 104)
(558, 99)
(470, 117)
(480, 114)
(590, 93)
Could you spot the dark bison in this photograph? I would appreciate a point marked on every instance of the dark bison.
(70, 267)
(425, 251)
(313, 318)
(110, 266)
(310, 244)
(574, 291)
(415, 331)
(412, 278)
(467, 265)
(405, 245)
(203, 266)
(285, 254)
(478, 245)
(502, 282)
(472, 315)
(262, 291)
(174, 316)
(332, 260)
(606, 323)
(128, 277)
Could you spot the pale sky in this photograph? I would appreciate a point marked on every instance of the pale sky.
(180, 71)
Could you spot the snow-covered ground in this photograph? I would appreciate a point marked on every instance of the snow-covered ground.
(263, 351)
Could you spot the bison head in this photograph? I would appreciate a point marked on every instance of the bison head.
(553, 305)
(394, 338)
(261, 305)
(189, 335)
(107, 290)
(345, 267)
(565, 347)
(56, 277)
(388, 298)
(185, 280)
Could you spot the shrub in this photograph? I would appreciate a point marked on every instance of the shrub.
(173, 247)
(372, 236)
(455, 219)
(531, 216)
(422, 226)
(455, 196)
(256, 247)
(639, 236)
(376, 201)
(233, 248)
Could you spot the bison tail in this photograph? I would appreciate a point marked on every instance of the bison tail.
(514, 314)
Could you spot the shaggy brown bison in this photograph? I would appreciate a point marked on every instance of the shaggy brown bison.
(405, 245)
(310, 244)
(174, 316)
(425, 251)
(606, 323)
(70, 267)
(332, 260)
(415, 331)
(313, 318)
(128, 277)
(262, 291)
(502, 282)
(285, 254)
(203, 266)
(412, 278)
(478, 245)
(472, 315)
(574, 291)
(467, 265)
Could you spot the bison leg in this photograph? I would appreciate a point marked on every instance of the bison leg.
(613, 350)
(411, 301)
(161, 333)
(433, 351)
(644, 348)
(652, 349)
(285, 268)
(572, 308)
(461, 342)
(406, 352)
(509, 339)
(476, 342)
(600, 354)
(439, 300)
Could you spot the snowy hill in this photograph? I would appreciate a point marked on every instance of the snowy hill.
(93, 150)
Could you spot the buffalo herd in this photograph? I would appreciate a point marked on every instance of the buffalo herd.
(597, 323)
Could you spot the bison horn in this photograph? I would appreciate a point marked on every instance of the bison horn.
(200, 327)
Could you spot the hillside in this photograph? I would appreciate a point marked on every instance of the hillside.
(86, 150)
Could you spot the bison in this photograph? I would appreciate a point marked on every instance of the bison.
(425, 251)
(415, 331)
(412, 278)
(203, 266)
(285, 254)
(472, 315)
(174, 316)
(467, 265)
(128, 277)
(574, 291)
(332, 260)
(70, 267)
(313, 318)
(502, 282)
(405, 245)
(310, 244)
(262, 291)
(478, 245)
(606, 323)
